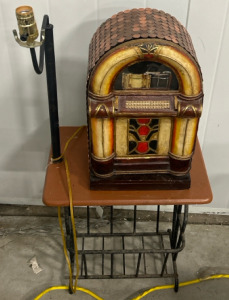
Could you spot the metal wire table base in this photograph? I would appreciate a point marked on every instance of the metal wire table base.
(130, 254)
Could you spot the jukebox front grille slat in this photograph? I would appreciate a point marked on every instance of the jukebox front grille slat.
(148, 104)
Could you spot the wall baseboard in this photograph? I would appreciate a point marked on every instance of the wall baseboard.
(119, 214)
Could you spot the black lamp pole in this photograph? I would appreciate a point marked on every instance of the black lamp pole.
(47, 51)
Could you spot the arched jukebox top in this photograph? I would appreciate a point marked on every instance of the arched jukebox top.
(144, 97)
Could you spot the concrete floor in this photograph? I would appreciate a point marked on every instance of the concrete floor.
(23, 238)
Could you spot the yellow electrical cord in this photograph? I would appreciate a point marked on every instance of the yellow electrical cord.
(157, 288)
(74, 287)
(67, 144)
(164, 287)
(66, 288)
(73, 231)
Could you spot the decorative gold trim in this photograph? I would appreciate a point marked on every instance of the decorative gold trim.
(182, 112)
(89, 107)
(142, 114)
(147, 104)
(191, 98)
(180, 173)
(147, 48)
(95, 97)
(141, 172)
(137, 157)
(99, 107)
(153, 172)
(150, 92)
(175, 103)
(103, 175)
(102, 159)
(110, 65)
(158, 41)
(180, 157)
(115, 103)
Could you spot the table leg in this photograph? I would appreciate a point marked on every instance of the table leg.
(69, 239)
(182, 229)
(178, 229)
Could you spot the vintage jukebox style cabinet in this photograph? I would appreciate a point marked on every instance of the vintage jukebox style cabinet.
(144, 99)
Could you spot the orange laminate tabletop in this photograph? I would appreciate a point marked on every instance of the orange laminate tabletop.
(56, 190)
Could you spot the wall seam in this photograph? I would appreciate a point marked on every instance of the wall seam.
(97, 12)
(215, 73)
(187, 15)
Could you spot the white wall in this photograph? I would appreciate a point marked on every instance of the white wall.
(24, 123)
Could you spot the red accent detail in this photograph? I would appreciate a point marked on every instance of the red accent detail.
(148, 56)
(142, 147)
(143, 130)
(143, 121)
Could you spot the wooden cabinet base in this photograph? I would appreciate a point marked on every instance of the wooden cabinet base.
(140, 182)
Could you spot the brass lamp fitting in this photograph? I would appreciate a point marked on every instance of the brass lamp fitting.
(27, 28)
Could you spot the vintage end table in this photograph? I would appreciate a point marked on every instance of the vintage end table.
(56, 194)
